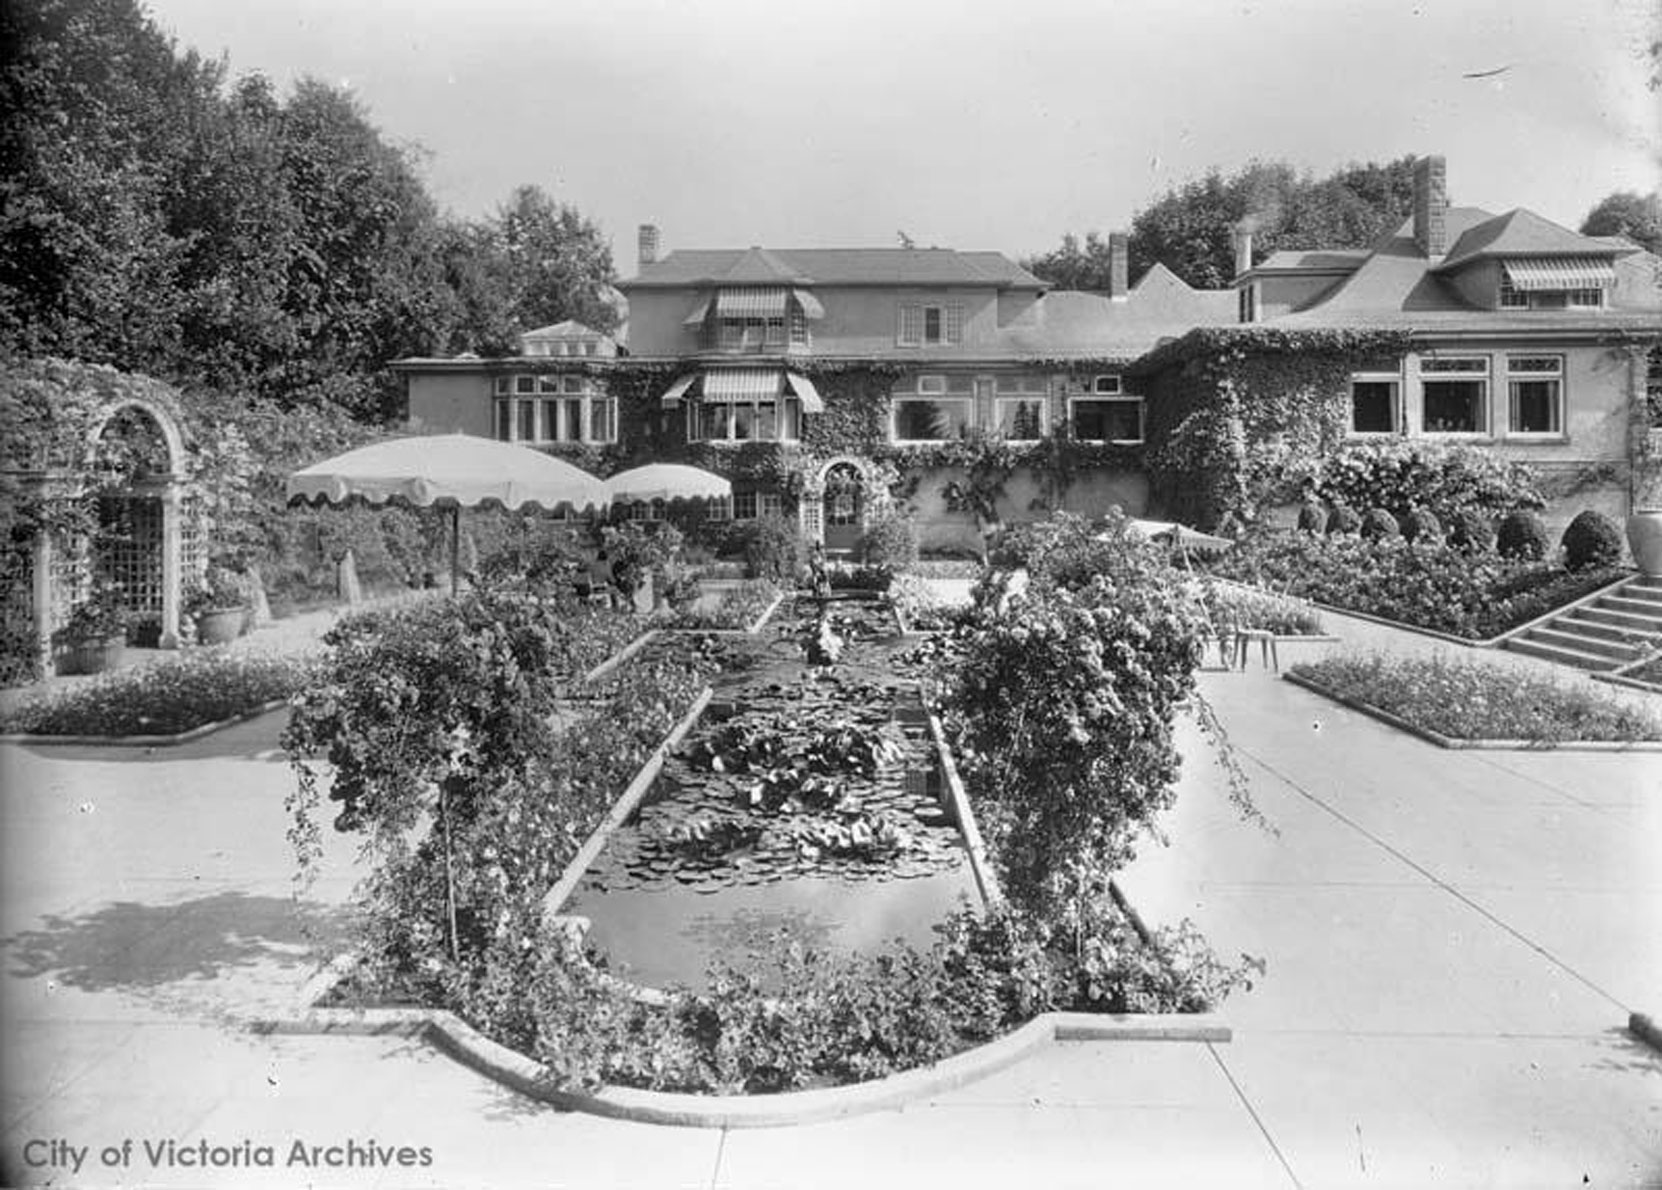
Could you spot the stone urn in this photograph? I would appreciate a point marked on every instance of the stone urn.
(1644, 538)
(220, 625)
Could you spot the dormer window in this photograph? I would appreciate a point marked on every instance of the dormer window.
(1555, 283)
(753, 320)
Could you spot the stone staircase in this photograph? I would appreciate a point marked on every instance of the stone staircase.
(1618, 627)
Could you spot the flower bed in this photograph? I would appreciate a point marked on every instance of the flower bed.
(736, 610)
(1474, 700)
(1260, 610)
(172, 696)
(1429, 585)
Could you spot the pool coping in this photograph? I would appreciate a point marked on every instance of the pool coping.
(1458, 744)
(450, 1034)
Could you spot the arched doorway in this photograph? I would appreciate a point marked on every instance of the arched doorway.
(132, 474)
(844, 507)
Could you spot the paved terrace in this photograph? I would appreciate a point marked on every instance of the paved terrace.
(1454, 941)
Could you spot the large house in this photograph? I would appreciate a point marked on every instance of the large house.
(823, 381)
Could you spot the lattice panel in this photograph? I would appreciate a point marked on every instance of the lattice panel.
(17, 613)
(129, 550)
(71, 575)
(193, 543)
(813, 527)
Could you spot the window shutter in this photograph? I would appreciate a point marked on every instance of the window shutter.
(952, 324)
(911, 325)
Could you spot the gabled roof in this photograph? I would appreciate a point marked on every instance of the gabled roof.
(1522, 233)
(1160, 306)
(708, 268)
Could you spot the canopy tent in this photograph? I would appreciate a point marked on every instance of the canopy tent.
(452, 471)
(667, 481)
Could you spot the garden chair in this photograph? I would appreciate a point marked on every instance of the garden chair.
(1244, 637)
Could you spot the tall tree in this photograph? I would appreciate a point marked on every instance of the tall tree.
(1073, 266)
(1624, 213)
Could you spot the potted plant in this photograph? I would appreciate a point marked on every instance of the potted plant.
(95, 637)
(219, 606)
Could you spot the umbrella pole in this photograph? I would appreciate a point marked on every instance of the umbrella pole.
(456, 550)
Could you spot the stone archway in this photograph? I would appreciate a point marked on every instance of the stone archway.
(838, 500)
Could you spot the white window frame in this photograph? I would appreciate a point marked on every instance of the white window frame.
(935, 388)
(1123, 399)
(539, 391)
(769, 504)
(1109, 384)
(912, 324)
(1431, 374)
(745, 506)
(787, 416)
(1376, 376)
(1515, 373)
(1022, 389)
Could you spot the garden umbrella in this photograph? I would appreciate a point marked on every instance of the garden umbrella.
(452, 471)
(667, 481)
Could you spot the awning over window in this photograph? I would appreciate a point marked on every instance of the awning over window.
(1559, 272)
(697, 317)
(678, 390)
(806, 393)
(751, 303)
(809, 303)
(741, 384)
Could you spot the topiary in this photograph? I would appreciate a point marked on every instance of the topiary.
(1377, 524)
(1522, 535)
(1343, 519)
(890, 541)
(1312, 517)
(1592, 539)
(1422, 525)
(1469, 530)
(772, 549)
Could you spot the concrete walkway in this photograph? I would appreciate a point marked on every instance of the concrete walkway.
(1454, 941)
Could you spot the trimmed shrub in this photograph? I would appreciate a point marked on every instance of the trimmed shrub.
(1522, 535)
(1471, 531)
(1592, 539)
(773, 549)
(890, 541)
(1343, 519)
(1422, 525)
(1312, 517)
(1403, 474)
(1378, 523)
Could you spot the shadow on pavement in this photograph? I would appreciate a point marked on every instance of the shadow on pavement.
(253, 739)
(129, 946)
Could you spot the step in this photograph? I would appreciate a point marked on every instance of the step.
(1577, 623)
(1642, 608)
(1600, 614)
(1647, 589)
(1555, 634)
(1575, 657)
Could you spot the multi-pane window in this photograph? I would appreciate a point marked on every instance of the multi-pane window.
(553, 408)
(1535, 394)
(744, 506)
(752, 334)
(1105, 386)
(1019, 406)
(1106, 419)
(1454, 394)
(933, 408)
(1590, 297)
(930, 326)
(1376, 398)
(762, 420)
(770, 504)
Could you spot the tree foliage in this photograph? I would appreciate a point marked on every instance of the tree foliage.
(1625, 213)
(158, 216)
(1190, 229)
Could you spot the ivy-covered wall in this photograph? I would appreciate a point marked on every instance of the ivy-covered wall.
(1237, 416)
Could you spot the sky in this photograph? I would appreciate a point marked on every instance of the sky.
(971, 125)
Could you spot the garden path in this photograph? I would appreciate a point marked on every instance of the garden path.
(1454, 940)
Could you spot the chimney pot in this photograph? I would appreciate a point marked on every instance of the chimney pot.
(1431, 206)
(1243, 250)
(648, 244)
(1119, 265)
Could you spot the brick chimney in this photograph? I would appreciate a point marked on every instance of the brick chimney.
(1431, 206)
(1119, 265)
(1242, 238)
(648, 245)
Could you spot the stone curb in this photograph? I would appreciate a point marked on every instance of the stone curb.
(754, 627)
(1621, 679)
(1646, 1030)
(146, 741)
(1482, 745)
(449, 1033)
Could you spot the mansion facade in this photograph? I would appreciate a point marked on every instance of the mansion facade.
(822, 380)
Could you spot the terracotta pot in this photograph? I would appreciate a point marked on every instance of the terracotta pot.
(92, 656)
(221, 625)
(1644, 538)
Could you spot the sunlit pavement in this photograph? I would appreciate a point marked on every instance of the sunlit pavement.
(1454, 942)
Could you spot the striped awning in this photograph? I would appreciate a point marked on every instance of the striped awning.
(697, 317)
(751, 303)
(806, 393)
(676, 391)
(809, 303)
(1559, 272)
(741, 384)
